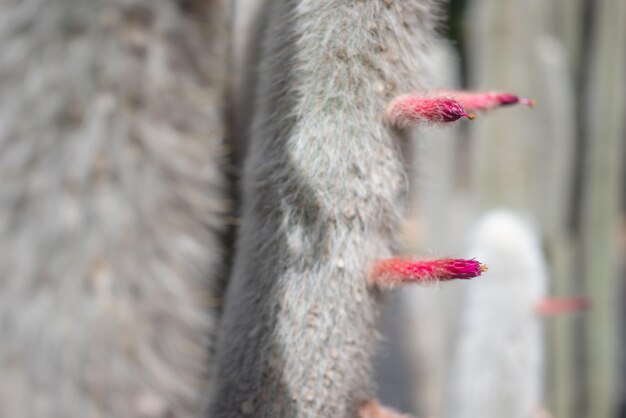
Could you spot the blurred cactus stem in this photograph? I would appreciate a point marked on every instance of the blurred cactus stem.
(606, 106)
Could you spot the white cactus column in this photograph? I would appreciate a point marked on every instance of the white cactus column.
(498, 369)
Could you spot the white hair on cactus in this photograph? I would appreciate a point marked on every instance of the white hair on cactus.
(112, 132)
(498, 368)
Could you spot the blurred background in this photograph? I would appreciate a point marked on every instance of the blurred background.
(560, 167)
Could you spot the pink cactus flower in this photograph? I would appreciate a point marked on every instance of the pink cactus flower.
(395, 271)
(559, 306)
(482, 101)
(409, 110)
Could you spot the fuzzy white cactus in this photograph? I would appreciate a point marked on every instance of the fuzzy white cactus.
(111, 137)
(498, 370)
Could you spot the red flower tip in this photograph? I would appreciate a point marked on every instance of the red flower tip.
(504, 99)
(475, 101)
(397, 270)
(409, 110)
(558, 306)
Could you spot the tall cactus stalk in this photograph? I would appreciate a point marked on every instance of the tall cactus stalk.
(324, 194)
(556, 126)
(504, 146)
(498, 369)
(111, 135)
(605, 102)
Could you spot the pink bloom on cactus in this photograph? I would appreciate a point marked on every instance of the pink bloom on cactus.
(395, 271)
(409, 110)
(558, 306)
(474, 101)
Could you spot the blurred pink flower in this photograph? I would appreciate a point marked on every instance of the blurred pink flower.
(558, 306)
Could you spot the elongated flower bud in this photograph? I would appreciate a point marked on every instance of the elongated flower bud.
(557, 306)
(475, 101)
(406, 111)
(395, 271)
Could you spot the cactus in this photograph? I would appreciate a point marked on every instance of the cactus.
(604, 106)
(111, 136)
(324, 192)
(498, 369)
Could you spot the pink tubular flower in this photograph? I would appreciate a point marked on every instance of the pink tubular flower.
(405, 111)
(395, 271)
(557, 306)
(475, 101)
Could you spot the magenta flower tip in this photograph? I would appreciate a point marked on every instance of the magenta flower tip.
(397, 270)
(506, 99)
(450, 110)
(475, 101)
(464, 269)
(411, 110)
